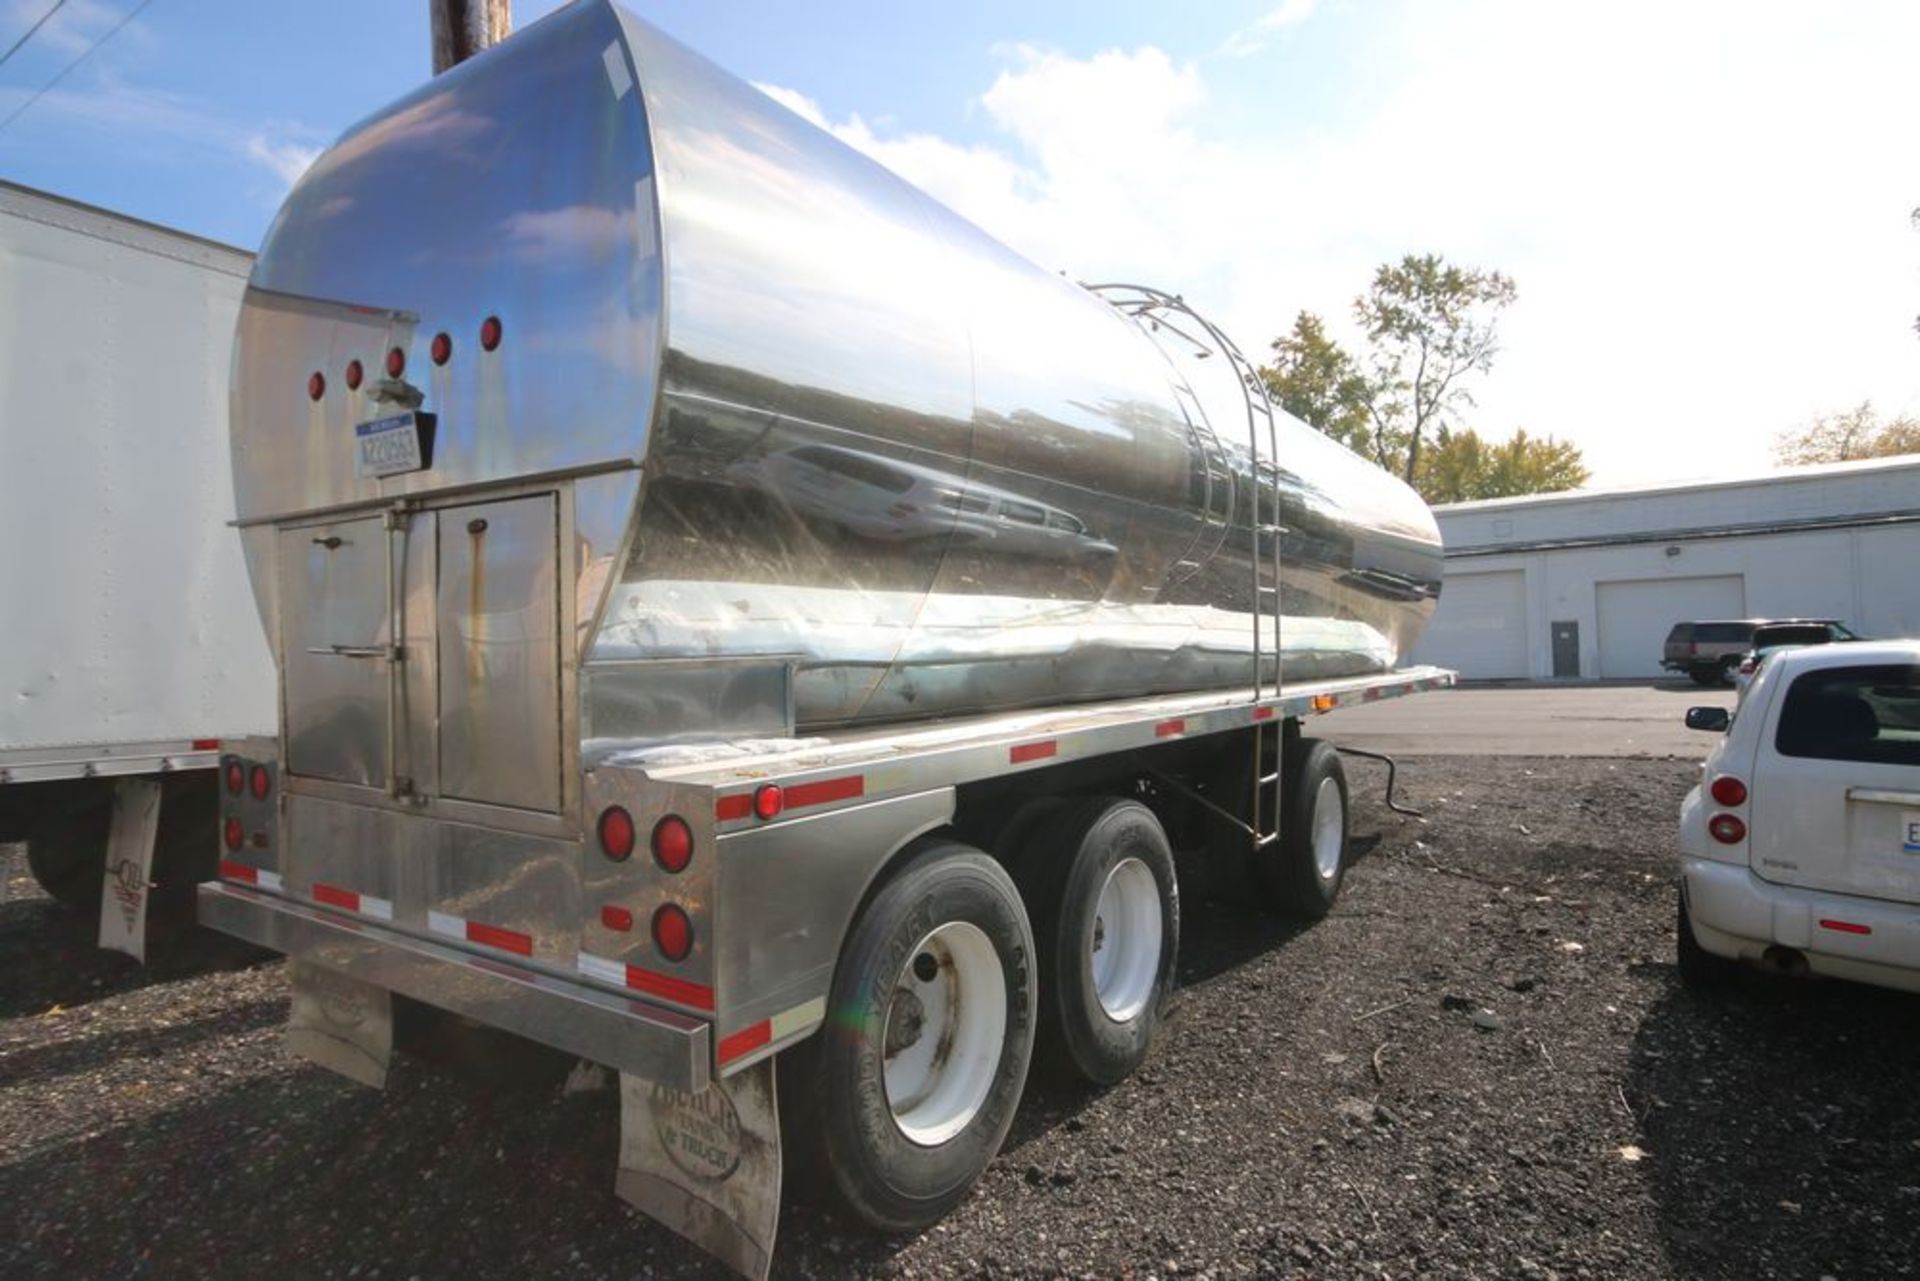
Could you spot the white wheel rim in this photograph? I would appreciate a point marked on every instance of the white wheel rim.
(1329, 829)
(1124, 941)
(946, 1025)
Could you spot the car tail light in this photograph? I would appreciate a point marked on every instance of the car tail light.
(1727, 829)
(442, 350)
(769, 800)
(672, 843)
(396, 362)
(316, 385)
(234, 835)
(236, 778)
(616, 833)
(490, 333)
(1728, 790)
(356, 374)
(673, 932)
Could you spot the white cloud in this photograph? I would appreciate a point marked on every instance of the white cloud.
(286, 160)
(1709, 229)
(1254, 37)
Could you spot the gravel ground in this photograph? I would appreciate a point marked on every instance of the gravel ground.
(1482, 1065)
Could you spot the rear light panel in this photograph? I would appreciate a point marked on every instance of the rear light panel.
(1727, 829)
(1728, 790)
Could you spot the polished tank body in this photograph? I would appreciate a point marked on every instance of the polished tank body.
(798, 416)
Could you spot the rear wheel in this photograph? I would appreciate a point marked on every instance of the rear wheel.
(67, 854)
(1301, 873)
(907, 1093)
(1699, 968)
(1099, 879)
(67, 851)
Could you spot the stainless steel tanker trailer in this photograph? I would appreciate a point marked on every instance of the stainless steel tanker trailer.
(731, 612)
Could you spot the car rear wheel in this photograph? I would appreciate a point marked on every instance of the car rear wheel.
(1699, 968)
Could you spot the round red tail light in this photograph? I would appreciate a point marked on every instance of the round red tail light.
(616, 833)
(490, 333)
(1728, 790)
(442, 350)
(672, 843)
(233, 835)
(258, 782)
(673, 932)
(769, 800)
(1727, 829)
(356, 374)
(236, 778)
(396, 362)
(316, 385)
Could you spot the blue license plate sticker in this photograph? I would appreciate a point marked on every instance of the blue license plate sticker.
(388, 446)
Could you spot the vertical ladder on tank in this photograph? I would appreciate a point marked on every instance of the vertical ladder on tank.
(1153, 308)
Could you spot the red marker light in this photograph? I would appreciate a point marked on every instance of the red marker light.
(490, 333)
(316, 385)
(1728, 790)
(672, 932)
(442, 350)
(259, 782)
(236, 778)
(233, 834)
(616, 833)
(396, 362)
(1727, 829)
(672, 843)
(768, 801)
(616, 918)
(356, 374)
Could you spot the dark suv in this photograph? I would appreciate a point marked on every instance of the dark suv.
(1710, 651)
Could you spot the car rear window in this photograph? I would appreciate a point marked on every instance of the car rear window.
(1716, 633)
(1853, 714)
(1681, 634)
(1792, 634)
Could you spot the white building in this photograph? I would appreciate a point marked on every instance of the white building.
(1587, 584)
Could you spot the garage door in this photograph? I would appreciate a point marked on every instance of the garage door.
(1636, 616)
(1480, 627)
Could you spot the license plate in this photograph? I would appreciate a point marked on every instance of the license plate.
(1910, 832)
(388, 446)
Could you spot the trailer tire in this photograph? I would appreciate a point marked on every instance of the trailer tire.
(1302, 871)
(945, 938)
(67, 854)
(1099, 879)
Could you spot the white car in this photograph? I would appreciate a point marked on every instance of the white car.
(1800, 847)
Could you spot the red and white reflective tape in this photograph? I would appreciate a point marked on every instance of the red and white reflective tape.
(379, 909)
(634, 978)
(459, 927)
(737, 1045)
(795, 796)
(260, 876)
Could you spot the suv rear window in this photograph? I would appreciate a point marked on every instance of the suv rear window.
(1681, 634)
(1853, 714)
(1721, 633)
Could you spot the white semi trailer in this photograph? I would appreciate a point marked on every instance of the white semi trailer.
(732, 613)
(130, 650)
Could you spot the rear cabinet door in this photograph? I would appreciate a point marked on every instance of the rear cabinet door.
(335, 628)
(498, 655)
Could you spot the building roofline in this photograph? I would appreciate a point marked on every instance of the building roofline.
(1898, 462)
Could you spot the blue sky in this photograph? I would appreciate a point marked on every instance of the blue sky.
(1705, 205)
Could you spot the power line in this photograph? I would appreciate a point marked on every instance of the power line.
(86, 53)
(15, 46)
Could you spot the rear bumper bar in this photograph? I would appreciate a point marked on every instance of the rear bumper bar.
(630, 1036)
(1737, 915)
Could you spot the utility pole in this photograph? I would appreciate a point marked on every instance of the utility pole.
(462, 28)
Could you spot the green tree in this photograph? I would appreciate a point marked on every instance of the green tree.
(1460, 467)
(1429, 325)
(1313, 378)
(1854, 433)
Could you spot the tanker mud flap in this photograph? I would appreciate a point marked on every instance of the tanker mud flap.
(129, 870)
(340, 1023)
(706, 1165)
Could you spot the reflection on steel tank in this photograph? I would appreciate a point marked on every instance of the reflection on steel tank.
(801, 411)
